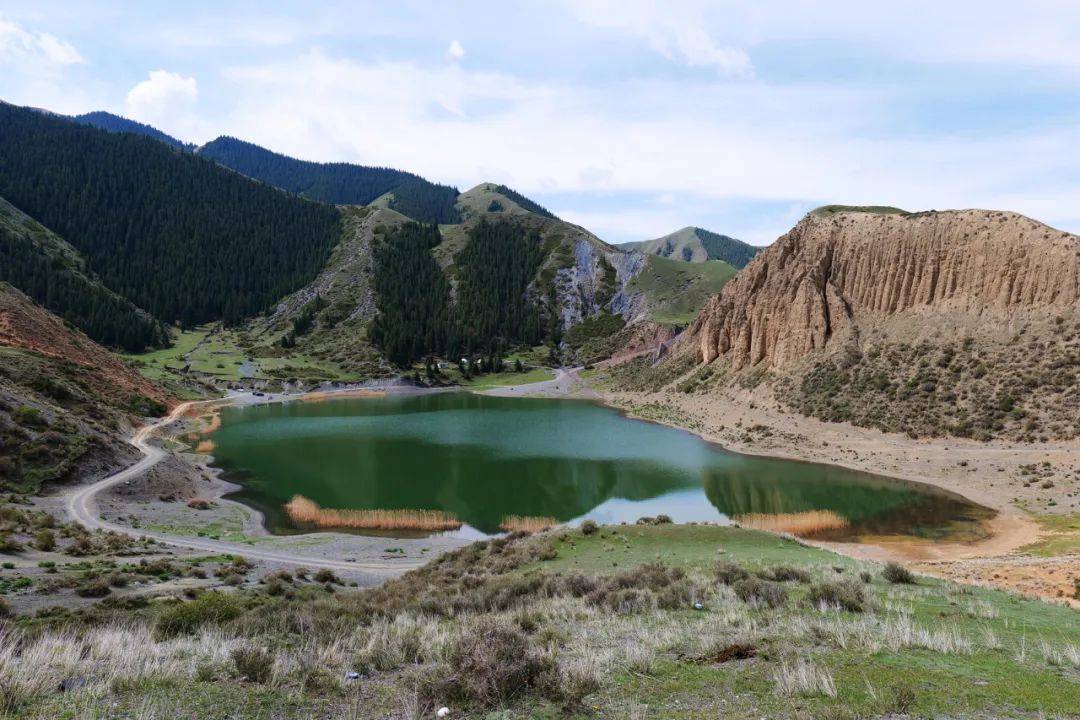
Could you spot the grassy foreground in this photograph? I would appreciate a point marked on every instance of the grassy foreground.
(643, 621)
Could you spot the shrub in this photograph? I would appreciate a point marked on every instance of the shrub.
(252, 663)
(45, 540)
(785, 573)
(843, 594)
(5, 609)
(898, 574)
(324, 575)
(729, 573)
(589, 527)
(865, 577)
(187, 617)
(490, 665)
(97, 587)
(754, 590)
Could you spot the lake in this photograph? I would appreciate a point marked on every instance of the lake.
(485, 458)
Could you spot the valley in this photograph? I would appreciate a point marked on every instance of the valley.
(326, 439)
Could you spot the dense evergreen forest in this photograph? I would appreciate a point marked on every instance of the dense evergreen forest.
(495, 268)
(416, 318)
(413, 296)
(525, 202)
(33, 260)
(115, 123)
(721, 247)
(173, 232)
(338, 183)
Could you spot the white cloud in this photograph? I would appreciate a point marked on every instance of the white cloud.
(166, 100)
(455, 50)
(676, 30)
(18, 44)
(806, 143)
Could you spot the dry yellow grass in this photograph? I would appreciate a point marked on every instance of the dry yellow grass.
(205, 446)
(303, 510)
(802, 523)
(525, 523)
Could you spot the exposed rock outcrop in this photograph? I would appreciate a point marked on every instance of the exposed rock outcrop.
(841, 271)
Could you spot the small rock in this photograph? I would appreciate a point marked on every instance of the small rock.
(442, 712)
(352, 675)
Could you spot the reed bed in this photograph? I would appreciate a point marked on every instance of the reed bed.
(526, 523)
(802, 523)
(303, 510)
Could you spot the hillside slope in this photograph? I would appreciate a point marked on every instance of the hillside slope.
(117, 124)
(53, 273)
(65, 401)
(338, 183)
(962, 322)
(694, 244)
(173, 232)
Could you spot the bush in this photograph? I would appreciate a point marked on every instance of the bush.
(898, 574)
(187, 617)
(589, 527)
(97, 587)
(326, 576)
(729, 573)
(843, 594)
(45, 540)
(785, 573)
(252, 663)
(753, 590)
(490, 665)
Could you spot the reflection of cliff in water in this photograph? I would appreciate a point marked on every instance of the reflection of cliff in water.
(871, 506)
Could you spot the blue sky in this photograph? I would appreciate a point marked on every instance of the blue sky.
(631, 118)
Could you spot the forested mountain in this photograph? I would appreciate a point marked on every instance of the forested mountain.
(173, 232)
(495, 268)
(694, 244)
(50, 271)
(413, 295)
(117, 124)
(338, 183)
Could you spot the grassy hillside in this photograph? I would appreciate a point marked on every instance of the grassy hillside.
(628, 621)
(693, 244)
(678, 290)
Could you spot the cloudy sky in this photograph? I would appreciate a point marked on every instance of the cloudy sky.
(632, 118)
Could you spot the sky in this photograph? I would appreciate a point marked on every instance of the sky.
(631, 118)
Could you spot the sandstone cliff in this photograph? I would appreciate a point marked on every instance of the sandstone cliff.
(842, 271)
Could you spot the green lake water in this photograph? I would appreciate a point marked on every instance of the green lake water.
(483, 458)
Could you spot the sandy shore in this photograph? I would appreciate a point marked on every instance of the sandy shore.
(997, 475)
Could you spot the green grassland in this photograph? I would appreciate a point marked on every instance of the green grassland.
(677, 290)
(646, 621)
(508, 379)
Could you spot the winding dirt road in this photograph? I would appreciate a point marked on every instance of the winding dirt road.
(82, 507)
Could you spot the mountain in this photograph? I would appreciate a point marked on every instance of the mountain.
(338, 183)
(509, 273)
(694, 244)
(174, 233)
(961, 322)
(117, 124)
(65, 401)
(53, 273)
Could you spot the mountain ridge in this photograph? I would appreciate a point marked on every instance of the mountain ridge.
(695, 244)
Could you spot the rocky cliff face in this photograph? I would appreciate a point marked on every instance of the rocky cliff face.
(840, 272)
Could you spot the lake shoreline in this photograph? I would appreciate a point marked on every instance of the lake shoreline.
(1009, 531)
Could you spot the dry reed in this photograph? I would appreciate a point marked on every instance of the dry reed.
(302, 510)
(802, 523)
(525, 523)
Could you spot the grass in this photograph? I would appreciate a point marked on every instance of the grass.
(678, 290)
(628, 621)
(524, 523)
(508, 379)
(1062, 536)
